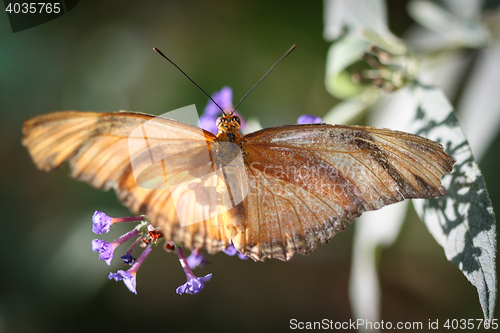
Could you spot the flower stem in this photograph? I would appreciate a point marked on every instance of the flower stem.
(134, 244)
(128, 219)
(183, 261)
(126, 237)
(140, 260)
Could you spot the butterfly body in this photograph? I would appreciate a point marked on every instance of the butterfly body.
(235, 218)
(289, 188)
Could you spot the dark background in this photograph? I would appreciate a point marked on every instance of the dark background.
(99, 57)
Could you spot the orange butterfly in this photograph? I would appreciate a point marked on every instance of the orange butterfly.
(304, 181)
(272, 193)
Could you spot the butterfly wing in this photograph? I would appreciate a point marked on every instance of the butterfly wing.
(99, 150)
(305, 181)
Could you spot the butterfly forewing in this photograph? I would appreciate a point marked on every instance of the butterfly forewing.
(98, 150)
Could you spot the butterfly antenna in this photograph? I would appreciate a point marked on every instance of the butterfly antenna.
(164, 56)
(267, 73)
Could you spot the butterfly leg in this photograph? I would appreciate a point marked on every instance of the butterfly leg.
(237, 226)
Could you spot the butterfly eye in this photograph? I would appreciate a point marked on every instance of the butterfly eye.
(237, 119)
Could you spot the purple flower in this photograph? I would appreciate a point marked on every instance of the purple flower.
(128, 277)
(194, 285)
(224, 98)
(242, 256)
(101, 222)
(196, 259)
(105, 250)
(128, 259)
(308, 119)
(231, 251)
(208, 123)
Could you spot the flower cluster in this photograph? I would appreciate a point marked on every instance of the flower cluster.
(148, 237)
(102, 224)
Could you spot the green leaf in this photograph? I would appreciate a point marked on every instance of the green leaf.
(462, 222)
(353, 14)
(351, 110)
(461, 31)
(372, 230)
(343, 53)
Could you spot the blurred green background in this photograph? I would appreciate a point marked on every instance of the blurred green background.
(98, 57)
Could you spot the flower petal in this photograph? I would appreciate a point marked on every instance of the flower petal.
(97, 245)
(101, 222)
(206, 278)
(180, 290)
(224, 98)
(128, 278)
(242, 256)
(208, 123)
(196, 259)
(308, 119)
(230, 250)
(194, 285)
(128, 259)
(104, 248)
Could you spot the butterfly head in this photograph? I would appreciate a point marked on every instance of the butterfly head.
(228, 122)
